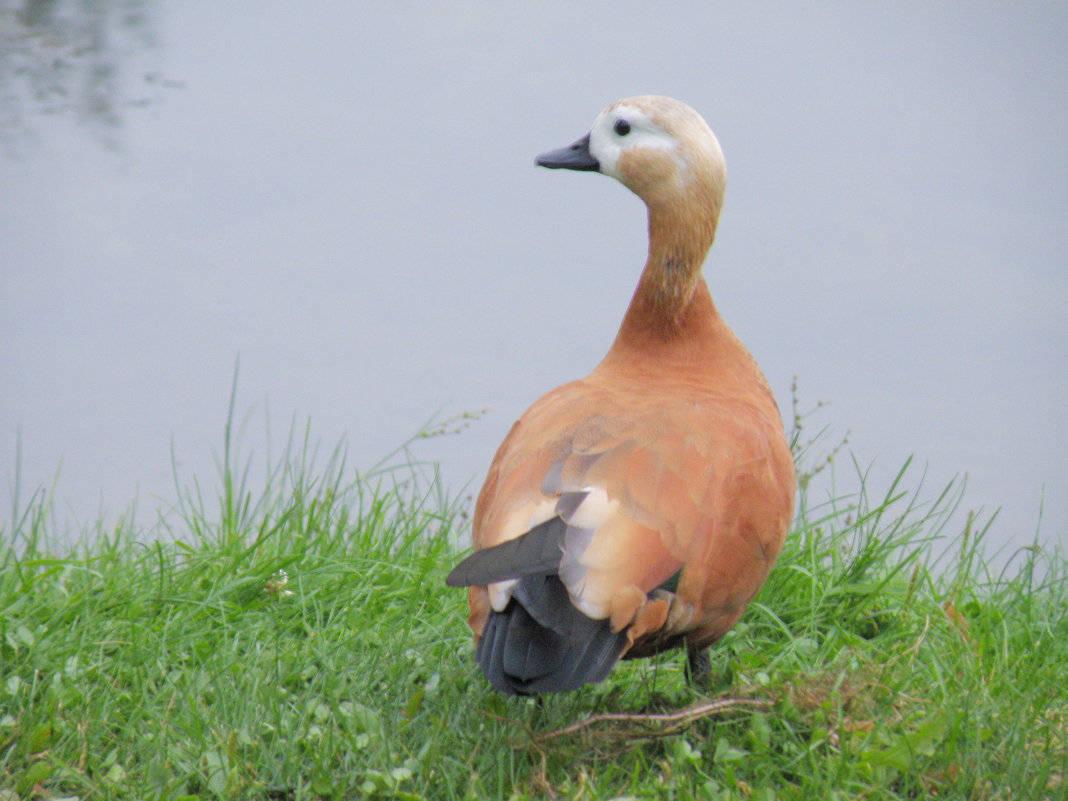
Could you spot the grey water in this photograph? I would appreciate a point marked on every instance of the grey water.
(342, 198)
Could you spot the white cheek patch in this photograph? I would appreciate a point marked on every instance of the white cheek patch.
(606, 145)
(603, 145)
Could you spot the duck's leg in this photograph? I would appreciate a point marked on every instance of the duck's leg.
(698, 667)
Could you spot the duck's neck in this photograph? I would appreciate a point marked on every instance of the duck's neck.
(672, 305)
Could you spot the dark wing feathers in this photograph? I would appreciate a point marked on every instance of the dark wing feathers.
(536, 553)
(546, 600)
(549, 646)
(541, 642)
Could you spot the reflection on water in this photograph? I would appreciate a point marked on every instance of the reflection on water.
(89, 59)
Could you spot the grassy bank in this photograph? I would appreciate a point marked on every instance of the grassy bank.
(298, 642)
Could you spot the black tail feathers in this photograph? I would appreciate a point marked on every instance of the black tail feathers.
(542, 643)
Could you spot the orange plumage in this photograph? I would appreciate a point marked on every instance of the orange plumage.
(642, 507)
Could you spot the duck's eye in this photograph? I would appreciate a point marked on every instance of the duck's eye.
(622, 127)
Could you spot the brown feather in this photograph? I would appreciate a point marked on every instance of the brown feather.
(676, 431)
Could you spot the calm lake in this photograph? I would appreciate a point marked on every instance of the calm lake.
(342, 198)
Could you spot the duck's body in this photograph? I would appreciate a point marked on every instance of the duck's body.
(639, 508)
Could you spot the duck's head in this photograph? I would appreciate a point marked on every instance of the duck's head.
(658, 147)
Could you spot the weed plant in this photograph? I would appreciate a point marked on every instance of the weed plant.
(296, 641)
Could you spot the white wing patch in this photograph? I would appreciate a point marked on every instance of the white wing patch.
(593, 510)
(582, 520)
(501, 593)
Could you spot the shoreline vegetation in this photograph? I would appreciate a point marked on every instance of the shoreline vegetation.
(296, 641)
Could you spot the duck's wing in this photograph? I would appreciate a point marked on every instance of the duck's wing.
(618, 492)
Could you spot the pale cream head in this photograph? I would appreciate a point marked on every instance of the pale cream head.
(663, 151)
(659, 148)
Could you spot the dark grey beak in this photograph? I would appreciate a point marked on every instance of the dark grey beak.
(573, 157)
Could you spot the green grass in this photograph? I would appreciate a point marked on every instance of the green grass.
(183, 663)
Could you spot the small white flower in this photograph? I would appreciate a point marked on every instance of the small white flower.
(276, 585)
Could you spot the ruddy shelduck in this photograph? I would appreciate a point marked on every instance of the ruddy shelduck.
(642, 507)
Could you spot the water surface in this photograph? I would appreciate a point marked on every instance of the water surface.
(346, 200)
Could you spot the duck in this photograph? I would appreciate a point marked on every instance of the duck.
(641, 508)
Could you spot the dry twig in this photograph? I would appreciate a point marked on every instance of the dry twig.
(673, 721)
